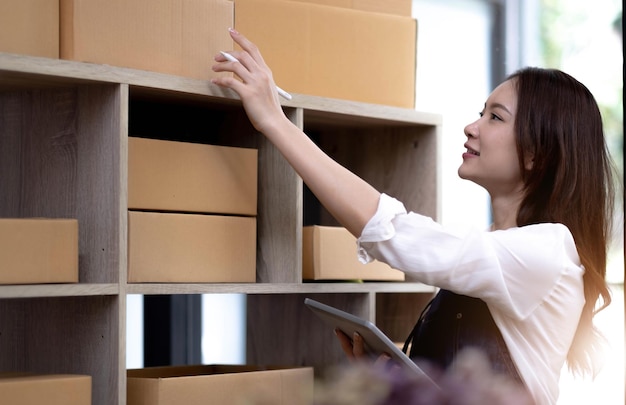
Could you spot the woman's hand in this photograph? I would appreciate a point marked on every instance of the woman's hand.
(256, 87)
(355, 349)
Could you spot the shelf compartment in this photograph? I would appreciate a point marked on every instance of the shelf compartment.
(169, 116)
(397, 160)
(70, 335)
(60, 158)
(293, 334)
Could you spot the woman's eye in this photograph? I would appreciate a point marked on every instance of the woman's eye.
(491, 116)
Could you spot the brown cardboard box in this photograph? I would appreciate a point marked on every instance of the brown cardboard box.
(332, 51)
(329, 253)
(178, 37)
(218, 384)
(54, 389)
(179, 176)
(30, 27)
(399, 7)
(38, 250)
(190, 248)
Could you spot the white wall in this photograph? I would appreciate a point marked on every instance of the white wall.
(134, 331)
(224, 329)
(453, 80)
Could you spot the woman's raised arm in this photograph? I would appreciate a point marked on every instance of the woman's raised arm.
(347, 197)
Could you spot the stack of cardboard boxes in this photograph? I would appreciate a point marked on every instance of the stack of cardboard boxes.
(359, 50)
(192, 211)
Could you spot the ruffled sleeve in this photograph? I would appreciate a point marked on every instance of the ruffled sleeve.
(379, 228)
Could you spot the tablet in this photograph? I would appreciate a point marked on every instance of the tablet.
(376, 342)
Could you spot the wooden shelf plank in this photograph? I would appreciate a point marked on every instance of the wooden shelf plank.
(18, 71)
(57, 290)
(278, 288)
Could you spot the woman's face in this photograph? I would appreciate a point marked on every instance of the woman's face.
(490, 159)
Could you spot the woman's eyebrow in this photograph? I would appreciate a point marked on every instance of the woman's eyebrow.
(500, 106)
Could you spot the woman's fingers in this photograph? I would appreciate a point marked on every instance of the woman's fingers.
(247, 64)
(383, 361)
(228, 66)
(353, 348)
(346, 343)
(242, 62)
(247, 45)
(229, 82)
(358, 346)
(254, 83)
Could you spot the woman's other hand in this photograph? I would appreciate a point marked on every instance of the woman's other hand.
(355, 349)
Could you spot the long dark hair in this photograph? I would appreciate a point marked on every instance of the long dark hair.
(559, 128)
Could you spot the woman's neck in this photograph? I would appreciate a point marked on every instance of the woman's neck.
(504, 211)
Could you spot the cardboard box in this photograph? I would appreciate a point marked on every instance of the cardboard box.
(179, 176)
(219, 384)
(399, 7)
(190, 248)
(330, 253)
(38, 250)
(178, 37)
(54, 389)
(30, 27)
(332, 51)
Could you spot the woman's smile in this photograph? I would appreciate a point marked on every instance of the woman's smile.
(470, 152)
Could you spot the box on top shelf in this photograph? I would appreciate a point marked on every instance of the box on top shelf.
(399, 7)
(329, 253)
(178, 37)
(188, 177)
(38, 250)
(191, 248)
(220, 384)
(52, 389)
(30, 27)
(333, 51)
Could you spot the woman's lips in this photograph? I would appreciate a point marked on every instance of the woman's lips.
(470, 152)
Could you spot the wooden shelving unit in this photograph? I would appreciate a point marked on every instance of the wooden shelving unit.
(64, 130)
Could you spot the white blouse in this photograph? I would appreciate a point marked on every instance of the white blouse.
(530, 277)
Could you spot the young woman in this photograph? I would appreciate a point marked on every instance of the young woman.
(524, 291)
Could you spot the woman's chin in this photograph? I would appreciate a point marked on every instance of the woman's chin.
(466, 175)
(463, 173)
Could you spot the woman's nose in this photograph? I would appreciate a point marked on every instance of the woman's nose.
(471, 130)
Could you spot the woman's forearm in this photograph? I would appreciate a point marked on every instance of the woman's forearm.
(348, 198)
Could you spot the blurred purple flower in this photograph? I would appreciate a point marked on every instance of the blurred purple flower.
(470, 381)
